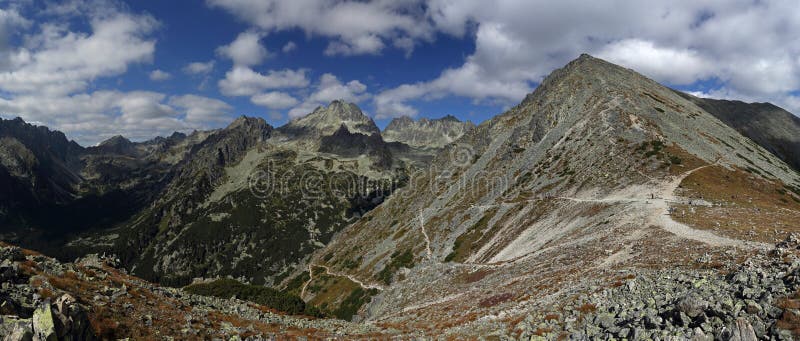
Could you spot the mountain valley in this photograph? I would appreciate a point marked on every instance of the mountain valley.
(604, 205)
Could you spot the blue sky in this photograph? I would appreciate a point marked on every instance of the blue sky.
(187, 36)
(98, 68)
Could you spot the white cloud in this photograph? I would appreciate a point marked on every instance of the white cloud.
(658, 62)
(70, 45)
(289, 47)
(10, 19)
(245, 50)
(356, 27)
(274, 100)
(159, 75)
(199, 68)
(330, 89)
(244, 81)
(96, 116)
(327, 90)
(59, 61)
(366, 44)
(750, 47)
(202, 110)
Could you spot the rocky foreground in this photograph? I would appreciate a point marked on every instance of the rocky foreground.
(43, 299)
(757, 300)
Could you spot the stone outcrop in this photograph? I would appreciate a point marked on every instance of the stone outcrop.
(426, 133)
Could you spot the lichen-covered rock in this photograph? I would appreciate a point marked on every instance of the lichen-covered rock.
(16, 330)
(741, 330)
(44, 324)
(692, 305)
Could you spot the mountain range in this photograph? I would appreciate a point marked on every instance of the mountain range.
(583, 211)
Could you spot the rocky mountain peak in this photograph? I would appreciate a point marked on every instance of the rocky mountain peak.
(399, 123)
(242, 121)
(116, 140)
(325, 120)
(250, 128)
(450, 118)
(115, 145)
(586, 70)
(40, 138)
(426, 133)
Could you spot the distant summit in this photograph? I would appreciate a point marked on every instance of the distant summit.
(773, 128)
(325, 121)
(426, 133)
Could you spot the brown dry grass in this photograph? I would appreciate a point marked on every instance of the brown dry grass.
(790, 320)
(476, 276)
(688, 161)
(746, 206)
(587, 308)
(124, 316)
(495, 300)
(542, 331)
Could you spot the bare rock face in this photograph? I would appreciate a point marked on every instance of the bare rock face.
(596, 171)
(63, 320)
(347, 144)
(742, 331)
(116, 145)
(426, 133)
(324, 121)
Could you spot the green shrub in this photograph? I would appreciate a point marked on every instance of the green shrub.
(399, 260)
(353, 303)
(655, 148)
(268, 297)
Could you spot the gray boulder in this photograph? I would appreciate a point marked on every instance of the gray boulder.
(693, 305)
(741, 330)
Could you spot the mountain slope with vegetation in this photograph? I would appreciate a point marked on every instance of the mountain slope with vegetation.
(773, 128)
(599, 172)
(604, 205)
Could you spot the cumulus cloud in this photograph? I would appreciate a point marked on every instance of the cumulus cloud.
(199, 68)
(750, 48)
(158, 75)
(355, 27)
(59, 61)
(274, 100)
(245, 50)
(9, 20)
(96, 116)
(289, 47)
(244, 81)
(367, 44)
(328, 89)
(201, 110)
(659, 62)
(44, 77)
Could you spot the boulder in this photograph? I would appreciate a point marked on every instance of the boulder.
(73, 319)
(693, 305)
(44, 324)
(19, 331)
(741, 330)
(11, 253)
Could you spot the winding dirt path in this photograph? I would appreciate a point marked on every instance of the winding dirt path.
(424, 233)
(658, 213)
(335, 274)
